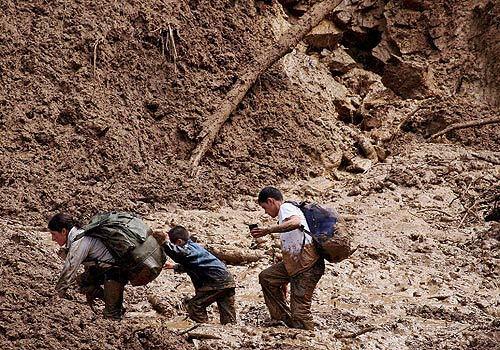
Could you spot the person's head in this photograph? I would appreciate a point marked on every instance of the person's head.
(270, 199)
(59, 227)
(178, 235)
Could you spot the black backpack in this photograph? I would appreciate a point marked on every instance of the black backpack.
(328, 231)
(131, 244)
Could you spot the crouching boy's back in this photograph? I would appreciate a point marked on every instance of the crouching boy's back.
(211, 279)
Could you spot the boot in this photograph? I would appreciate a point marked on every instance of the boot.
(113, 299)
(94, 293)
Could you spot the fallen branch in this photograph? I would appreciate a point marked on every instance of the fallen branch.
(435, 209)
(267, 57)
(189, 329)
(486, 158)
(234, 256)
(95, 55)
(457, 126)
(355, 334)
(467, 212)
(172, 47)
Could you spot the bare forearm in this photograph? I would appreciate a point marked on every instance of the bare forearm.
(289, 225)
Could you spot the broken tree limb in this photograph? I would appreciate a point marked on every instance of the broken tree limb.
(192, 328)
(472, 123)
(355, 334)
(234, 256)
(95, 56)
(201, 335)
(266, 58)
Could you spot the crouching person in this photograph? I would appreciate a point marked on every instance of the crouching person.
(211, 279)
(101, 279)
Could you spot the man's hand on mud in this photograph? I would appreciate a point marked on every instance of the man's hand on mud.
(169, 265)
(260, 232)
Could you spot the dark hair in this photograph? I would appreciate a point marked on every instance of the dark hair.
(60, 221)
(178, 232)
(269, 192)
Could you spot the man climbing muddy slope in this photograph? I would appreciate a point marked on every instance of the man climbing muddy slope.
(302, 267)
(98, 261)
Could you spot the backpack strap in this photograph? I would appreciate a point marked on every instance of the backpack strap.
(87, 229)
(80, 236)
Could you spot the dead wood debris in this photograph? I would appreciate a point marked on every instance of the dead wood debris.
(355, 334)
(456, 126)
(268, 56)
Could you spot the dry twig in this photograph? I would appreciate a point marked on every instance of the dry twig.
(189, 329)
(355, 334)
(472, 123)
(435, 209)
(95, 55)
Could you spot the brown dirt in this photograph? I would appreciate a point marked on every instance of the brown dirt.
(81, 142)
(78, 140)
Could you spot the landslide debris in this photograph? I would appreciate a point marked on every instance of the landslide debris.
(98, 111)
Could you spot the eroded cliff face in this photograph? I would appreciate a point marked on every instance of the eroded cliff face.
(99, 111)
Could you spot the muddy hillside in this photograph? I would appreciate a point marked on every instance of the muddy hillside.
(387, 110)
(98, 111)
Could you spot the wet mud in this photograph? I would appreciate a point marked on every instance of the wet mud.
(98, 112)
(420, 278)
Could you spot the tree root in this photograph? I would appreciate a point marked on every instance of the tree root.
(470, 124)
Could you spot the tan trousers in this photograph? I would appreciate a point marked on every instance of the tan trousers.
(298, 314)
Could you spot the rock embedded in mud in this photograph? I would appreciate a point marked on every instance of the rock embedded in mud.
(338, 61)
(359, 165)
(234, 256)
(408, 79)
(324, 35)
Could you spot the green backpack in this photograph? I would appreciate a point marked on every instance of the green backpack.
(131, 244)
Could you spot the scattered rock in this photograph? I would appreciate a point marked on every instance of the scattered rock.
(408, 79)
(338, 61)
(359, 165)
(234, 256)
(324, 35)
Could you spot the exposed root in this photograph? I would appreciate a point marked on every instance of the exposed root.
(470, 124)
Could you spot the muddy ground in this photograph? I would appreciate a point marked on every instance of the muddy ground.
(423, 276)
(97, 112)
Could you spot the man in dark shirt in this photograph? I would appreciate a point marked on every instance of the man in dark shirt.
(211, 279)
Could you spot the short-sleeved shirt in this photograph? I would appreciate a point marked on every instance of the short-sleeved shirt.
(298, 253)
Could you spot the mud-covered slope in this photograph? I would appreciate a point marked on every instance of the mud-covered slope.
(424, 276)
(97, 110)
(96, 115)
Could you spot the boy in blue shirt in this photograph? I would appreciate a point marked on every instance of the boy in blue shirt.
(211, 279)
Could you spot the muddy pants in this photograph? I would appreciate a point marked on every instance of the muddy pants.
(197, 306)
(113, 280)
(302, 285)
